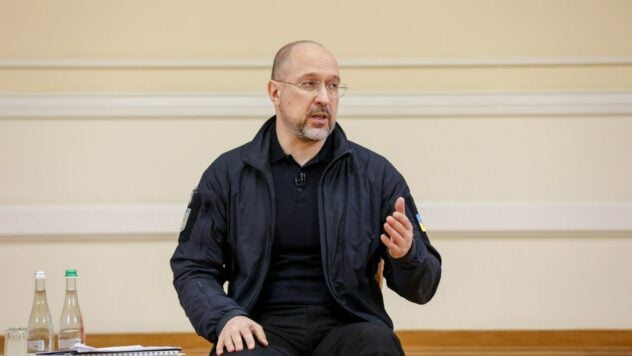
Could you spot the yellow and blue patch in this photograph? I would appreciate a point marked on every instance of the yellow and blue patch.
(421, 223)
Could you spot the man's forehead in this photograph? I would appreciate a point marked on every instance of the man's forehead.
(312, 60)
(311, 51)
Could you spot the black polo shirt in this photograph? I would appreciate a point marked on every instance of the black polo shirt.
(296, 273)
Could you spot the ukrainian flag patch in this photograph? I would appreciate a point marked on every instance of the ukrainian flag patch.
(185, 219)
(421, 223)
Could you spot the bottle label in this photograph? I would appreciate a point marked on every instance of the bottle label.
(66, 344)
(35, 345)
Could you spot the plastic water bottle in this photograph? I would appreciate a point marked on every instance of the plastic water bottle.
(40, 328)
(71, 323)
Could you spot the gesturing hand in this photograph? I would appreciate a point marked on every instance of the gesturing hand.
(237, 330)
(399, 230)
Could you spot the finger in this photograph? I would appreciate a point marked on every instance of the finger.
(228, 343)
(220, 346)
(236, 338)
(403, 219)
(392, 233)
(400, 205)
(249, 339)
(390, 245)
(260, 335)
(396, 224)
(394, 250)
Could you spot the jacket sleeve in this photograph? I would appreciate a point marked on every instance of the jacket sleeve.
(415, 276)
(201, 260)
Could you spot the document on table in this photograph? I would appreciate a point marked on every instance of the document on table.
(129, 350)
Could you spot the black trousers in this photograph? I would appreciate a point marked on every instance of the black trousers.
(315, 330)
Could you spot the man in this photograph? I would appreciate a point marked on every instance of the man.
(296, 221)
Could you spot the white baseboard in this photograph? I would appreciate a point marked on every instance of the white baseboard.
(17, 220)
(354, 104)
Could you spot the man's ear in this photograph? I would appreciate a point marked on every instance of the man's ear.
(274, 92)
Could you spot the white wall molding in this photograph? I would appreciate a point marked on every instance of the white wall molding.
(54, 220)
(528, 216)
(213, 105)
(260, 63)
(101, 219)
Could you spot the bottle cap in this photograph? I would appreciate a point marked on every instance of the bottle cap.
(40, 275)
(71, 273)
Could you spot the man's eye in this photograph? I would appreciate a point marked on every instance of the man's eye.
(332, 86)
(309, 85)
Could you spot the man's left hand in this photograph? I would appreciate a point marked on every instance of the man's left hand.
(399, 231)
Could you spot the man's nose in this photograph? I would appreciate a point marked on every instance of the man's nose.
(322, 95)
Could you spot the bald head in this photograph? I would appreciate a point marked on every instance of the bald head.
(282, 58)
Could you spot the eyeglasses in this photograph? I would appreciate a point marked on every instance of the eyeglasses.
(313, 87)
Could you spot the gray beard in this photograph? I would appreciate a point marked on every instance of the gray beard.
(315, 134)
(304, 132)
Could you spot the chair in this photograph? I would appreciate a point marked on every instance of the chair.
(378, 274)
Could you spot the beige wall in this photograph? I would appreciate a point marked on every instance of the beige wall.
(507, 278)
(490, 281)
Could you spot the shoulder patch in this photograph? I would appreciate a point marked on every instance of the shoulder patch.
(185, 219)
(421, 223)
(190, 214)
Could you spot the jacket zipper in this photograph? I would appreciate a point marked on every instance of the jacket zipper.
(323, 233)
(268, 246)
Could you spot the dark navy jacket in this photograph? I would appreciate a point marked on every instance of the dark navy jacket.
(228, 237)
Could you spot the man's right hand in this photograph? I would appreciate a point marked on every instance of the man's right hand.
(236, 331)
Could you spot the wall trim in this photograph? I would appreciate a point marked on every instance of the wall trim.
(261, 63)
(148, 219)
(365, 105)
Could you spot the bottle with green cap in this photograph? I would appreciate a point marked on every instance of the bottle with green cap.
(71, 329)
(40, 328)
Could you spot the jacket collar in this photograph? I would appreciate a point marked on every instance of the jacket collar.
(277, 154)
(257, 151)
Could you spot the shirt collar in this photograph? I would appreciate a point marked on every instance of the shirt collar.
(324, 155)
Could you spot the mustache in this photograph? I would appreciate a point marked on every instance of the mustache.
(320, 111)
